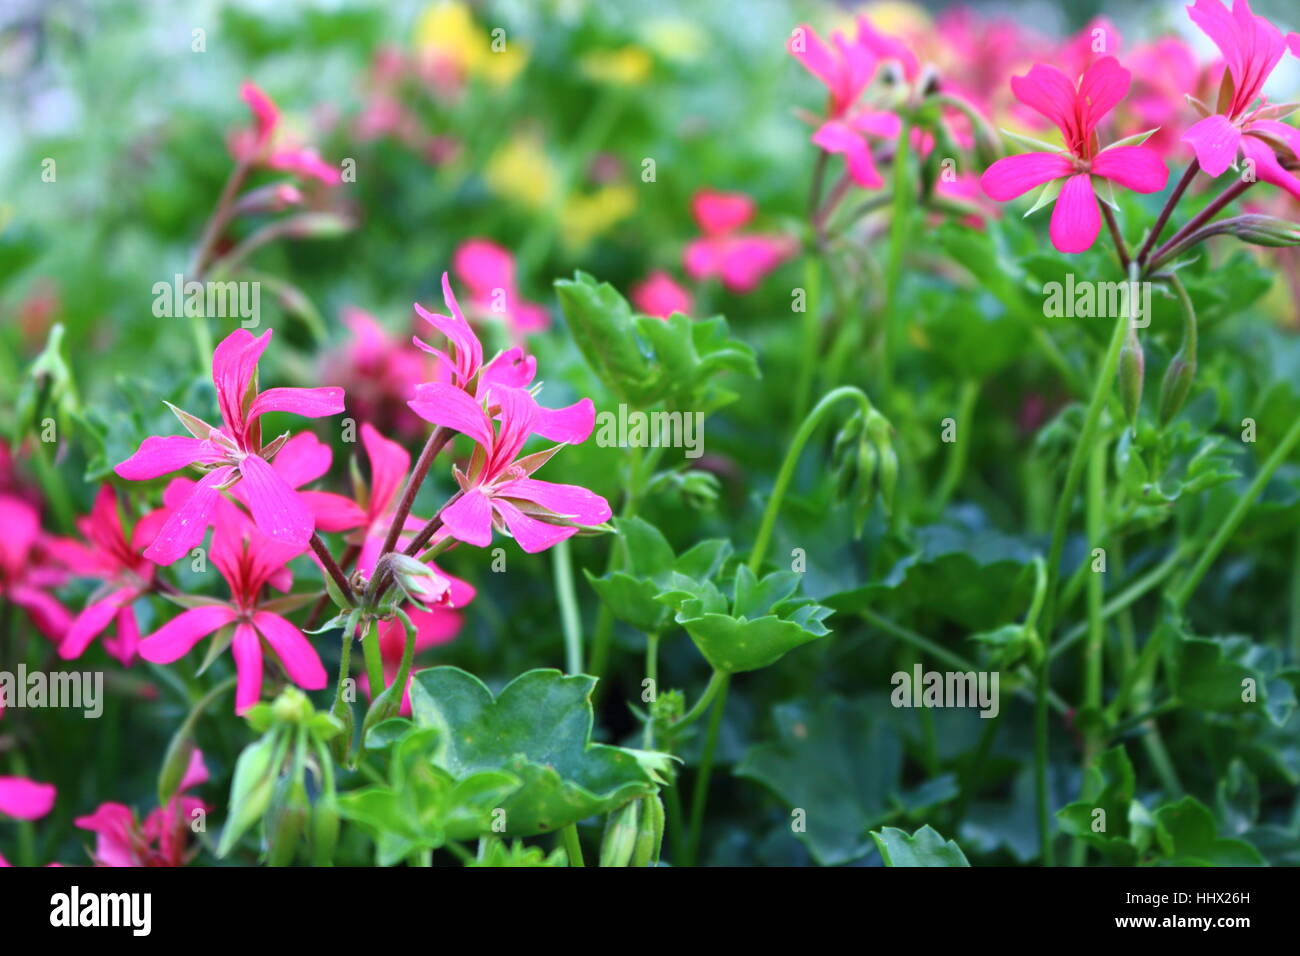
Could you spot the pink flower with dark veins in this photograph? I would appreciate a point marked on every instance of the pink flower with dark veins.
(498, 490)
(1070, 172)
(119, 563)
(249, 561)
(1251, 48)
(233, 453)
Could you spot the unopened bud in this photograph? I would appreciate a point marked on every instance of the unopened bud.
(1132, 366)
(620, 836)
(1175, 386)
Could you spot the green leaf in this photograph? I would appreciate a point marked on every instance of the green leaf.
(923, 848)
(1104, 814)
(537, 729)
(840, 765)
(1188, 836)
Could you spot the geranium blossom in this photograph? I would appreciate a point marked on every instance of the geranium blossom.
(118, 562)
(29, 569)
(489, 272)
(1251, 48)
(233, 453)
(163, 838)
(248, 560)
(266, 145)
(739, 259)
(379, 373)
(1076, 111)
(498, 490)
(659, 294)
(25, 799)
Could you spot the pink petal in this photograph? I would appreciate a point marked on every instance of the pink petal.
(718, 212)
(389, 463)
(484, 266)
(532, 535)
(277, 510)
(90, 622)
(265, 115)
(838, 137)
(1215, 141)
(196, 773)
(449, 407)
(1138, 168)
(332, 512)
(174, 639)
(247, 651)
(469, 518)
(302, 459)
(1076, 219)
(570, 425)
(126, 643)
(816, 59)
(300, 660)
(1103, 85)
(307, 402)
(466, 346)
(1050, 92)
(1267, 168)
(702, 257)
(50, 617)
(511, 368)
(186, 525)
(1015, 175)
(159, 455)
(879, 123)
(233, 363)
(571, 501)
(25, 799)
(659, 294)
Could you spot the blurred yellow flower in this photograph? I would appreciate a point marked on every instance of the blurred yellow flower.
(898, 18)
(446, 30)
(521, 171)
(677, 40)
(585, 217)
(626, 66)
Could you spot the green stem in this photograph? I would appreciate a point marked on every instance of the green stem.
(900, 221)
(700, 797)
(806, 429)
(956, 464)
(374, 660)
(811, 332)
(716, 682)
(562, 563)
(652, 674)
(572, 845)
(1092, 655)
(1228, 527)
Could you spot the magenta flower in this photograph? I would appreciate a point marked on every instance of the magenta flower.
(126, 574)
(162, 840)
(739, 259)
(1251, 48)
(379, 373)
(1071, 172)
(489, 272)
(660, 295)
(249, 561)
(264, 145)
(234, 453)
(25, 799)
(29, 569)
(498, 490)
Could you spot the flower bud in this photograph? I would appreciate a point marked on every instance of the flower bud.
(1132, 366)
(1175, 386)
(620, 836)
(650, 831)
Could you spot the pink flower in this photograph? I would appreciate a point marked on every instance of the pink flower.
(29, 569)
(461, 366)
(740, 259)
(1251, 48)
(25, 799)
(126, 575)
(489, 272)
(498, 490)
(379, 374)
(262, 145)
(161, 841)
(233, 454)
(248, 560)
(659, 294)
(1076, 111)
